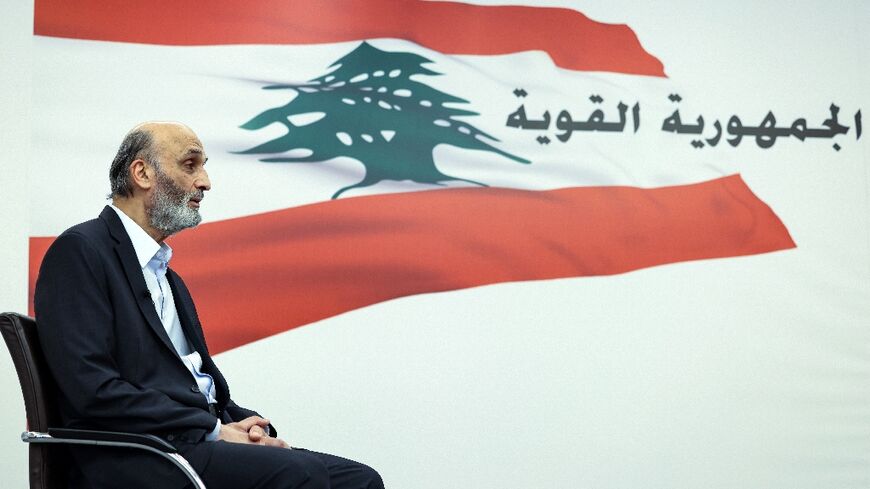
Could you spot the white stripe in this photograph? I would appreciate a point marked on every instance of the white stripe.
(87, 94)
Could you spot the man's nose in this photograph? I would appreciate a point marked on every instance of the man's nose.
(202, 182)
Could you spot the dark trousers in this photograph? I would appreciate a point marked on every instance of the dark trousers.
(223, 465)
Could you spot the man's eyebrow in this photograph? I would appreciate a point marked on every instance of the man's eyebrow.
(194, 151)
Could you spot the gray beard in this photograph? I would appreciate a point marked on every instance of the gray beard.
(169, 212)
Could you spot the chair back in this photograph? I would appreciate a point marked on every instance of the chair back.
(48, 464)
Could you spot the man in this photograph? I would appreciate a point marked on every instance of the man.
(124, 343)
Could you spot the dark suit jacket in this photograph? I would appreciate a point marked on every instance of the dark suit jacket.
(110, 355)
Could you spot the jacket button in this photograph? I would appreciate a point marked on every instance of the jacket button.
(170, 437)
(194, 388)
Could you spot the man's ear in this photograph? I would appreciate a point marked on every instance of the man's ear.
(141, 174)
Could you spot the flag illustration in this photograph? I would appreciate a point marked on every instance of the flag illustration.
(368, 154)
(425, 122)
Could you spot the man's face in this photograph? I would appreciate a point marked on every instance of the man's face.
(181, 181)
(171, 209)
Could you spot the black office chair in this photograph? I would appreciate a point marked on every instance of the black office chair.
(49, 463)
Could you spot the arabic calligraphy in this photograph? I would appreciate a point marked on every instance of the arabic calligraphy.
(566, 123)
(765, 133)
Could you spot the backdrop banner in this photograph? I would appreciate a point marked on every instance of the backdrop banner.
(562, 244)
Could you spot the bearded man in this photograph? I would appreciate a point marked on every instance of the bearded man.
(123, 340)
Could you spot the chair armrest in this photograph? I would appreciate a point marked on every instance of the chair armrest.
(112, 436)
(148, 443)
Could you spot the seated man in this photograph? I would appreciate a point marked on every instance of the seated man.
(122, 338)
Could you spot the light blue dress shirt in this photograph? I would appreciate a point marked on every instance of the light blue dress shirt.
(154, 260)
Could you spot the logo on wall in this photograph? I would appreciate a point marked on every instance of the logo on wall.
(370, 109)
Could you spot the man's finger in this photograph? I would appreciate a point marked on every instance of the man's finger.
(257, 432)
(247, 423)
(273, 442)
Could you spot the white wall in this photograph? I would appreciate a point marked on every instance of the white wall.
(15, 38)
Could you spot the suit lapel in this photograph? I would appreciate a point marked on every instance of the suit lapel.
(184, 307)
(127, 256)
(193, 331)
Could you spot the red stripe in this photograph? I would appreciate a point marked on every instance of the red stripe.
(256, 276)
(573, 40)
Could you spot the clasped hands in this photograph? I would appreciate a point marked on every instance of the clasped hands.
(252, 431)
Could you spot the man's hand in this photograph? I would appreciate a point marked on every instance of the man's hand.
(257, 434)
(250, 430)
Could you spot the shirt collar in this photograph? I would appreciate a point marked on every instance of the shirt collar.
(143, 244)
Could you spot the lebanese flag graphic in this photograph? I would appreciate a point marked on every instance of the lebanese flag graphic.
(362, 151)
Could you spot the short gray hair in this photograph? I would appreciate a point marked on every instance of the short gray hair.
(137, 144)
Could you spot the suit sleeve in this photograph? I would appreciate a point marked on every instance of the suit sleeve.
(76, 322)
(238, 413)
